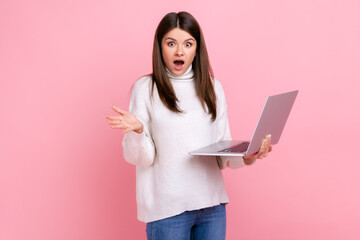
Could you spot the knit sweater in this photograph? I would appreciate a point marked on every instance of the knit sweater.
(169, 181)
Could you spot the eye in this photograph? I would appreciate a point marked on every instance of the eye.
(171, 44)
(188, 44)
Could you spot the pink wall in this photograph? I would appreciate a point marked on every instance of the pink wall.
(64, 63)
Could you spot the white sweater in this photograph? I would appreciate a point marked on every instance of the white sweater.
(168, 180)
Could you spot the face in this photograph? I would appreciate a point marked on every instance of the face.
(178, 50)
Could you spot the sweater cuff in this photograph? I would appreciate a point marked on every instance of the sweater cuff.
(138, 149)
(136, 137)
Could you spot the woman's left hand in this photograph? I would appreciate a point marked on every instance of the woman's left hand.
(265, 148)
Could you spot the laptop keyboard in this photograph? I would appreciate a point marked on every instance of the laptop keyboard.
(239, 148)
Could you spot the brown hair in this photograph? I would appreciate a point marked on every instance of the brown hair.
(201, 65)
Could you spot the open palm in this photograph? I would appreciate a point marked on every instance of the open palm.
(125, 120)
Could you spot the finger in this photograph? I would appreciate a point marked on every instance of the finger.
(115, 122)
(268, 147)
(263, 146)
(113, 117)
(119, 110)
(119, 126)
(268, 139)
(262, 149)
(265, 153)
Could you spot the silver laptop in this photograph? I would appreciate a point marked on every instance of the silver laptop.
(272, 121)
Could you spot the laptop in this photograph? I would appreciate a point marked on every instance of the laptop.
(272, 121)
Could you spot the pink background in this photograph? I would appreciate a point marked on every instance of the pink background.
(64, 63)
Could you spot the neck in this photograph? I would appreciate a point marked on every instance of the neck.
(187, 75)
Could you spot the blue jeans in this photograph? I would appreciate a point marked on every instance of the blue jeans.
(203, 224)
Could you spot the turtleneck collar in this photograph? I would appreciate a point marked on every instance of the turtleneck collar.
(187, 76)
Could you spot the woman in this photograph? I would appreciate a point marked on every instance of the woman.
(178, 108)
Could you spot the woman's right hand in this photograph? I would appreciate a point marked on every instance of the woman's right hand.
(125, 120)
(265, 148)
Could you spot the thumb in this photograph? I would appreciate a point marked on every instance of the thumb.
(118, 110)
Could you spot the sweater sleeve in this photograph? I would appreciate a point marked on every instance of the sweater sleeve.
(139, 149)
(224, 131)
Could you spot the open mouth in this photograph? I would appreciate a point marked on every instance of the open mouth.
(179, 63)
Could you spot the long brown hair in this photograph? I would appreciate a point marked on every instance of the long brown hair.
(201, 65)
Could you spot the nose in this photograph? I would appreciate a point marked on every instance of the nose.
(179, 51)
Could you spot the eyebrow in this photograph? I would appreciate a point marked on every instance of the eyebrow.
(170, 38)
